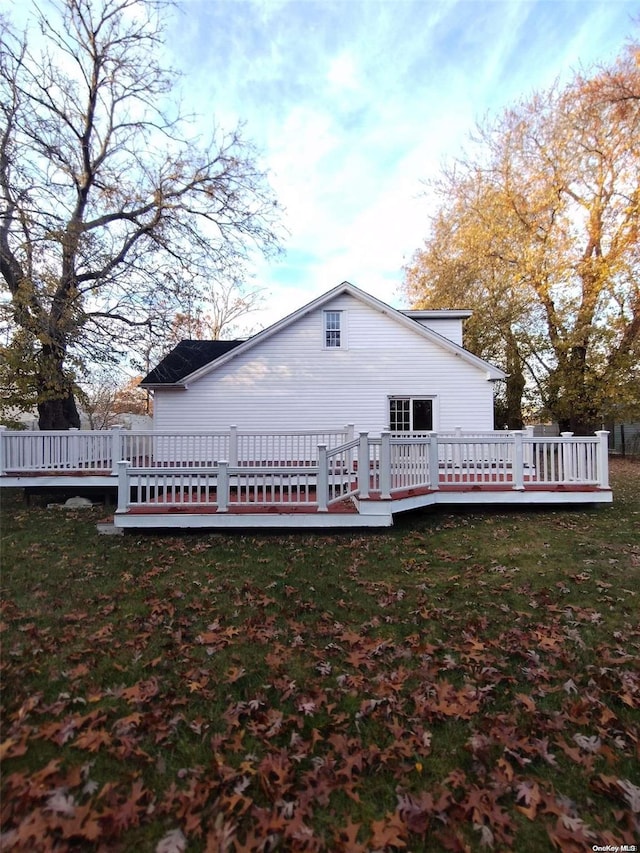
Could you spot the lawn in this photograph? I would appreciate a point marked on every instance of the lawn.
(466, 681)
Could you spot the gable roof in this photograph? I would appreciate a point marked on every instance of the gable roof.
(236, 347)
(186, 357)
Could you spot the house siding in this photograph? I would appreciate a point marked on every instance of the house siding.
(291, 382)
(448, 328)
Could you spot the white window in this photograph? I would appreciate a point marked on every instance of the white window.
(411, 414)
(334, 337)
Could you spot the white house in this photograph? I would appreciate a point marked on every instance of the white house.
(346, 357)
(258, 433)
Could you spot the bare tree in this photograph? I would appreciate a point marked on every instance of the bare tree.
(108, 206)
(215, 315)
(105, 399)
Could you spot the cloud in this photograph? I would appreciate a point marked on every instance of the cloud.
(343, 74)
(368, 103)
(353, 103)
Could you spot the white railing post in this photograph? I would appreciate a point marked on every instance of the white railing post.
(233, 446)
(363, 465)
(567, 466)
(222, 487)
(350, 433)
(385, 465)
(518, 461)
(456, 449)
(529, 434)
(73, 460)
(323, 479)
(434, 462)
(4, 454)
(603, 458)
(124, 485)
(117, 450)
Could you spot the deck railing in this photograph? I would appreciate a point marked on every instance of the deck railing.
(161, 449)
(569, 460)
(101, 450)
(386, 467)
(516, 458)
(68, 450)
(216, 487)
(490, 461)
(339, 466)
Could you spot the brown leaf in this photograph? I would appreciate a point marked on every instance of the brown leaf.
(505, 767)
(527, 701)
(275, 773)
(131, 810)
(26, 708)
(388, 832)
(78, 671)
(93, 740)
(142, 691)
(12, 748)
(528, 793)
(234, 673)
(415, 811)
(574, 754)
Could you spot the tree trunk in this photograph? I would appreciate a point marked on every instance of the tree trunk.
(57, 407)
(576, 410)
(515, 388)
(575, 414)
(59, 414)
(515, 384)
(582, 423)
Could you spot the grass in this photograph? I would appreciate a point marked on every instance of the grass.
(465, 681)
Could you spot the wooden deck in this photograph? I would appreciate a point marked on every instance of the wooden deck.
(374, 511)
(362, 482)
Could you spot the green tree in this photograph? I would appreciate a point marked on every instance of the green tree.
(108, 206)
(538, 232)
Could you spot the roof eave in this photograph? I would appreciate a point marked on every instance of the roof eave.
(437, 313)
(152, 386)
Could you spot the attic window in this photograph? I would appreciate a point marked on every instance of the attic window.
(333, 330)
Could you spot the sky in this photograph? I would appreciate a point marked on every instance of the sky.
(354, 104)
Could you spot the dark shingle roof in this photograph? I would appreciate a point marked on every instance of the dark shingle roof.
(186, 357)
